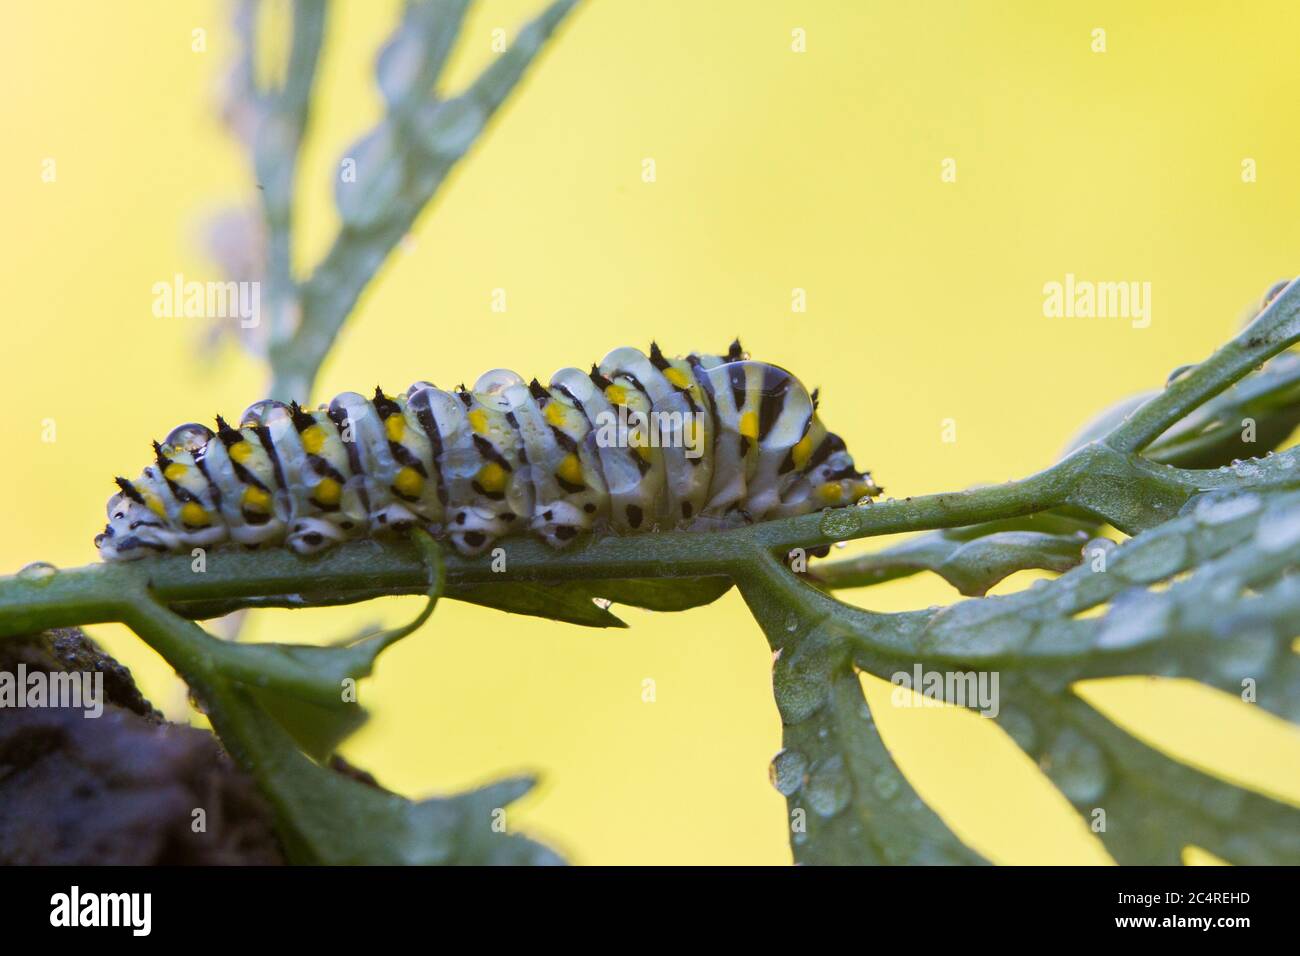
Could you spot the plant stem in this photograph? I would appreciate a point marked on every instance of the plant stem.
(1123, 488)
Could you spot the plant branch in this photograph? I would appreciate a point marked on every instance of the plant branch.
(399, 167)
(1123, 488)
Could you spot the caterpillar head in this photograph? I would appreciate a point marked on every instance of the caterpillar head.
(133, 531)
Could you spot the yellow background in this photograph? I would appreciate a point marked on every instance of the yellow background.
(775, 170)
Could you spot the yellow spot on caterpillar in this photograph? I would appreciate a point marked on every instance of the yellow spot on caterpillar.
(193, 515)
(395, 426)
(571, 470)
(492, 477)
(643, 449)
(313, 439)
(677, 377)
(175, 471)
(241, 451)
(802, 451)
(478, 420)
(616, 394)
(830, 492)
(154, 504)
(255, 499)
(749, 425)
(409, 482)
(327, 492)
(555, 413)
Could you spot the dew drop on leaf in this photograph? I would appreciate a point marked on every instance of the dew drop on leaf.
(1151, 558)
(885, 783)
(839, 523)
(798, 697)
(1136, 616)
(1245, 654)
(1222, 510)
(828, 789)
(1077, 767)
(787, 771)
(1279, 533)
(39, 573)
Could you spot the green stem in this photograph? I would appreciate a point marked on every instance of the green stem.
(1125, 489)
(1274, 329)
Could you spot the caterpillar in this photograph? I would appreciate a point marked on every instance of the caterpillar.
(639, 443)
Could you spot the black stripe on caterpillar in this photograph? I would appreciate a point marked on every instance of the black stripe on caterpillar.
(639, 443)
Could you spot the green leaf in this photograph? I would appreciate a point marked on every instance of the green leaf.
(847, 800)
(411, 61)
(561, 601)
(663, 594)
(575, 602)
(328, 818)
(1264, 408)
(1145, 806)
(316, 728)
(399, 166)
(314, 708)
(324, 817)
(972, 567)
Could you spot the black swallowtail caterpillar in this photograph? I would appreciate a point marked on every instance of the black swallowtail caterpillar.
(743, 443)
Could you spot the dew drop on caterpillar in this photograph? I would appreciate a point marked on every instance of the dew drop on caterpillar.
(639, 443)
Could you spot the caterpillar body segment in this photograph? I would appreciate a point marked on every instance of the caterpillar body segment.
(639, 443)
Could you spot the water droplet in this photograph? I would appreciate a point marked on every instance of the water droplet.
(39, 573)
(259, 413)
(839, 523)
(886, 784)
(190, 437)
(449, 127)
(1134, 617)
(828, 789)
(787, 771)
(841, 544)
(791, 623)
(1077, 766)
(1178, 373)
(865, 500)
(1150, 558)
(1280, 532)
(492, 386)
(603, 603)
(1218, 509)
(1245, 654)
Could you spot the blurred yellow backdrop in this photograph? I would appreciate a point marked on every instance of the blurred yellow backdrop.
(776, 170)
